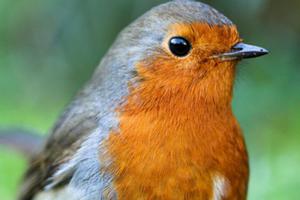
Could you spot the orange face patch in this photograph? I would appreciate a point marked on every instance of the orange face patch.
(198, 72)
(206, 40)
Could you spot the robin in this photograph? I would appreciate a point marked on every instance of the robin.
(155, 121)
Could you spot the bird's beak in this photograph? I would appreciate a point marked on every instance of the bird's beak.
(242, 51)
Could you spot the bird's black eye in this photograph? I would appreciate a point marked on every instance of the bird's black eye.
(179, 46)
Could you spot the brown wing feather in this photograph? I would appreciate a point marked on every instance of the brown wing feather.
(65, 139)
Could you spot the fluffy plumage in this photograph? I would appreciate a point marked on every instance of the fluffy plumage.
(149, 125)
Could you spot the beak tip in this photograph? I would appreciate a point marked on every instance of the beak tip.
(261, 52)
(264, 51)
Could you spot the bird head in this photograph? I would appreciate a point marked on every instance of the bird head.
(182, 48)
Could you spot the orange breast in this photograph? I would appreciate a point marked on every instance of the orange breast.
(175, 155)
(158, 160)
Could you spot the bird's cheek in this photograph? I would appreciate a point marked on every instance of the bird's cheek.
(202, 55)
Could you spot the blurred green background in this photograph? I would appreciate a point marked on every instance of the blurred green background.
(49, 48)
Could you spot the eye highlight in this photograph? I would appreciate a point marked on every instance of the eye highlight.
(179, 46)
